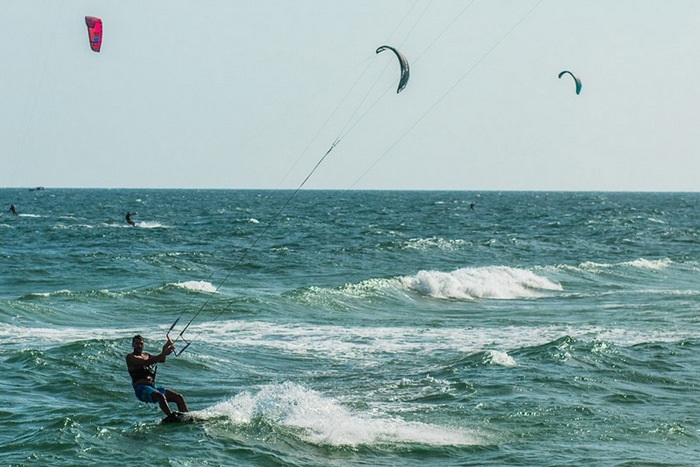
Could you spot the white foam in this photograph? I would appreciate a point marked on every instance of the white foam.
(369, 346)
(44, 337)
(322, 420)
(365, 346)
(49, 294)
(196, 286)
(496, 282)
(496, 357)
(648, 264)
(253, 221)
(640, 263)
(656, 221)
(71, 227)
(150, 225)
(425, 244)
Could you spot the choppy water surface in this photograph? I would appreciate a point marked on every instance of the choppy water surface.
(363, 328)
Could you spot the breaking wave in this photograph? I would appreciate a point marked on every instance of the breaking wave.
(495, 282)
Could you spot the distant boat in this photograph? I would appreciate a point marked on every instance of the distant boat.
(39, 188)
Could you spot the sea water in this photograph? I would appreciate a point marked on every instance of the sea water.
(354, 328)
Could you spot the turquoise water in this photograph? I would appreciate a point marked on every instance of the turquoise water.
(363, 328)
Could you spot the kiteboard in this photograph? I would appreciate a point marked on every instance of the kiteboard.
(181, 417)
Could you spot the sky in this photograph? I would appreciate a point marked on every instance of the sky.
(252, 94)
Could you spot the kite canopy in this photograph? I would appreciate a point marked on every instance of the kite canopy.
(94, 26)
(405, 72)
(578, 81)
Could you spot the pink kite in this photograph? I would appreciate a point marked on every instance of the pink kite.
(94, 26)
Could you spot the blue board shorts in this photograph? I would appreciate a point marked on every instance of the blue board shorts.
(144, 392)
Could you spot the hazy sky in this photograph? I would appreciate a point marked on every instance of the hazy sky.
(251, 94)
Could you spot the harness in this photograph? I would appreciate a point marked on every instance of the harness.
(143, 372)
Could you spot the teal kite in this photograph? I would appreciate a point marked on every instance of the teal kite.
(578, 81)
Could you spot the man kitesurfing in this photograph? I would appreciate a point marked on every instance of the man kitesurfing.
(141, 365)
(129, 219)
(142, 369)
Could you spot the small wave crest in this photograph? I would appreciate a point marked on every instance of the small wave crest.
(648, 264)
(426, 244)
(48, 294)
(499, 358)
(338, 297)
(640, 263)
(70, 293)
(321, 420)
(196, 286)
(496, 282)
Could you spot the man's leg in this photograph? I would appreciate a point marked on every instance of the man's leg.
(172, 396)
(158, 396)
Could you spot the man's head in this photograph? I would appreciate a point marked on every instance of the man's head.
(137, 342)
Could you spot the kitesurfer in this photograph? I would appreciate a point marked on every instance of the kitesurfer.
(142, 369)
(13, 209)
(129, 220)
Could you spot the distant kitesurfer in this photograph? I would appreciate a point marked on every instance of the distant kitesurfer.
(13, 209)
(129, 220)
(142, 369)
(471, 205)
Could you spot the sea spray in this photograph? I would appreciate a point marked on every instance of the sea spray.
(322, 420)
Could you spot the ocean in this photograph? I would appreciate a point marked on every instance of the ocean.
(359, 328)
